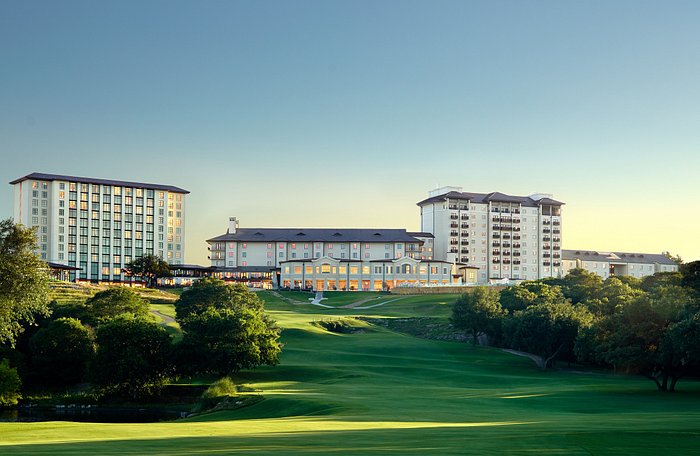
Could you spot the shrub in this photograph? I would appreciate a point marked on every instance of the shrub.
(9, 385)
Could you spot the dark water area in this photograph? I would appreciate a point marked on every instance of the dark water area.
(89, 415)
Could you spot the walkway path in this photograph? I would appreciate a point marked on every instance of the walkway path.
(167, 319)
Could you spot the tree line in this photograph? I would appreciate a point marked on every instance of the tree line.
(111, 340)
(648, 326)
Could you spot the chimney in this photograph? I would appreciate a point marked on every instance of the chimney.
(232, 225)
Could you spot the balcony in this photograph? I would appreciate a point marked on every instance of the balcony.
(516, 254)
(546, 239)
(506, 236)
(454, 217)
(556, 239)
(556, 255)
(496, 235)
(556, 247)
(506, 244)
(496, 219)
(453, 250)
(516, 245)
(546, 230)
(496, 260)
(546, 263)
(546, 222)
(464, 242)
(516, 261)
(454, 225)
(454, 242)
(556, 223)
(516, 228)
(454, 207)
(464, 259)
(556, 263)
(465, 234)
(465, 217)
(516, 211)
(496, 244)
(507, 227)
(506, 261)
(506, 253)
(464, 251)
(516, 237)
(464, 226)
(496, 252)
(556, 231)
(546, 255)
(546, 247)
(454, 233)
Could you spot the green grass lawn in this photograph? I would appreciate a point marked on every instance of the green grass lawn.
(380, 392)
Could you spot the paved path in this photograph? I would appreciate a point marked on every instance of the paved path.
(167, 319)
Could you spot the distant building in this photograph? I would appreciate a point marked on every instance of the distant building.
(504, 236)
(100, 225)
(609, 264)
(329, 259)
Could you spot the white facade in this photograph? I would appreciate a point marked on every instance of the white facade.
(101, 225)
(328, 273)
(506, 237)
(608, 264)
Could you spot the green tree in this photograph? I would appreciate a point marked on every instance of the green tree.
(611, 296)
(109, 303)
(477, 312)
(133, 356)
(9, 385)
(680, 349)
(630, 339)
(24, 288)
(690, 273)
(579, 285)
(149, 268)
(661, 279)
(528, 294)
(61, 351)
(225, 329)
(547, 330)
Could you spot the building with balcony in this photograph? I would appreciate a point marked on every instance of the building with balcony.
(98, 225)
(610, 264)
(504, 236)
(329, 259)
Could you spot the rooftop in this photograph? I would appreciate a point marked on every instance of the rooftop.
(90, 180)
(316, 235)
(483, 198)
(616, 257)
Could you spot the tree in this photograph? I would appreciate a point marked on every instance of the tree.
(661, 279)
(133, 356)
(225, 329)
(528, 294)
(680, 349)
(630, 339)
(478, 312)
(24, 281)
(149, 268)
(62, 351)
(547, 330)
(109, 303)
(9, 385)
(691, 275)
(579, 285)
(611, 296)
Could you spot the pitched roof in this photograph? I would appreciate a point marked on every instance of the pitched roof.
(483, 198)
(316, 235)
(616, 257)
(90, 180)
(420, 234)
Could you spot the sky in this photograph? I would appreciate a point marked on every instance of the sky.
(346, 113)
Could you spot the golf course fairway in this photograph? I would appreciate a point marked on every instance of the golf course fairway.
(380, 392)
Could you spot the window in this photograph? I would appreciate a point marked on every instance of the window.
(326, 268)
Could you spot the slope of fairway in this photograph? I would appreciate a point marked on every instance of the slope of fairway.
(379, 392)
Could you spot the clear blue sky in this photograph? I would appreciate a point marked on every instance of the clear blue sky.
(329, 113)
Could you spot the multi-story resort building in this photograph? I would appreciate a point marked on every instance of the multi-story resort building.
(504, 236)
(100, 225)
(328, 259)
(609, 264)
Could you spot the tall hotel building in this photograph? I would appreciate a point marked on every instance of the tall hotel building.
(506, 237)
(100, 225)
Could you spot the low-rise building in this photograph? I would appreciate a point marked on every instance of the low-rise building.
(609, 264)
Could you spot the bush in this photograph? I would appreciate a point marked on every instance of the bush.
(9, 385)
(107, 304)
